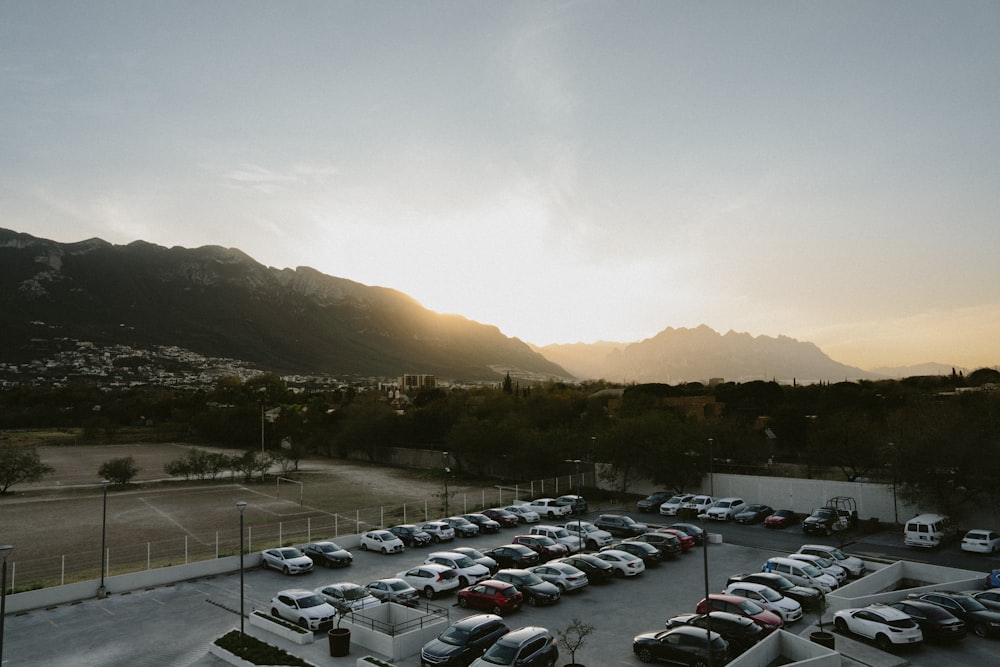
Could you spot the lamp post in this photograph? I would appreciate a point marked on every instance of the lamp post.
(241, 505)
(4, 551)
(704, 551)
(102, 592)
(447, 471)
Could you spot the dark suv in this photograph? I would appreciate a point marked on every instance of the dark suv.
(620, 524)
(984, 622)
(527, 647)
(536, 590)
(411, 535)
(463, 641)
(652, 502)
(513, 555)
(741, 632)
(545, 547)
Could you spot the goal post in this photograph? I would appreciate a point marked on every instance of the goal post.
(279, 480)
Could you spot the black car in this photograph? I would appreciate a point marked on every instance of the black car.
(669, 545)
(411, 535)
(754, 513)
(983, 621)
(936, 622)
(649, 553)
(740, 631)
(513, 555)
(463, 641)
(486, 524)
(577, 504)
(652, 502)
(683, 645)
(621, 525)
(596, 569)
(536, 590)
(328, 554)
(810, 598)
(696, 532)
(463, 527)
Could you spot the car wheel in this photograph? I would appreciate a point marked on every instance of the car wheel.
(274, 612)
(285, 570)
(698, 663)
(384, 550)
(550, 662)
(463, 603)
(620, 574)
(304, 624)
(364, 547)
(532, 602)
(592, 545)
(497, 610)
(829, 531)
(463, 582)
(435, 539)
(264, 564)
(429, 593)
(562, 587)
(981, 630)
(645, 655)
(882, 643)
(840, 625)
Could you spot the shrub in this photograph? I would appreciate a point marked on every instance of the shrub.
(254, 650)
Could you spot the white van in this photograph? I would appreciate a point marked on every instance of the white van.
(801, 573)
(928, 531)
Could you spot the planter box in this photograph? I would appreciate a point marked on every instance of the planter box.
(264, 622)
(226, 656)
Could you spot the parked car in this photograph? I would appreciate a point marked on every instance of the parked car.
(739, 631)
(463, 641)
(990, 598)
(469, 571)
(545, 547)
(536, 590)
(810, 598)
(685, 541)
(577, 504)
(462, 526)
(526, 647)
(672, 505)
(821, 521)
(668, 543)
(439, 531)
(382, 541)
(550, 508)
(328, 554)
(572, 542)
(503, 517)
(652, 502)
(781, 519)
(754, 513)
(936, 622)
(593, 537)
(649, 553)
(825, 565)
(801, 573)
(304, 608)
(597, 569)
(625, 564)
(697, 505)
(981, 541)
(855, 566)
(431, 579)
(984, 621)
(497, 597)
(621, 525)
(929, 531)
(734, 604)
(513, 555)
(523, 513)
(486, 525)
(565, 576)
(788, 609)
(479, 557)
(725, 509)
(683, 645)
(393, 589)
(411, 535)
(288, 560)
(884, 625)
(696, 532)
(347, 597)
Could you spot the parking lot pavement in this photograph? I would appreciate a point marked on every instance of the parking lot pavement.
(171, 626)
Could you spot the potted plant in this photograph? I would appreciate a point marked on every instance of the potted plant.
(339, 638)
(573, 638)
(821, 636)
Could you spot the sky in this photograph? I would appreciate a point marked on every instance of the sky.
(566, 171)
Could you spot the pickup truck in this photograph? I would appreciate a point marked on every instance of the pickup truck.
(825, 520)
(549, 508)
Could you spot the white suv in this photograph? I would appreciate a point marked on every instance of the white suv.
(469, 571)
(725, 509)
(306, 608)
(431, 579)
(674, 503)
(854, 565)
(573, 542)
(593, 537)
(549, 508)
(523, 513)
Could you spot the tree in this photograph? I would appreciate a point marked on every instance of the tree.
(21, 464)
(119, 472)
(574, 636)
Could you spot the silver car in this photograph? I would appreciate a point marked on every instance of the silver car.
(563, 575)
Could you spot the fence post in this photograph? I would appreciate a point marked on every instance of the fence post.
(309, 529)
(357, 520)
(185, 549)
(149, 560)
(249, 538)
(280, 523)
(62, 571)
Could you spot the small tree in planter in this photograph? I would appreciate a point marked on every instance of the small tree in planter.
(573, 638)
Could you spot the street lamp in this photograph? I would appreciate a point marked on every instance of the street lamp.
(241, 505)
(102, 592)
(704, 551)
(447, 471)
(4, 551)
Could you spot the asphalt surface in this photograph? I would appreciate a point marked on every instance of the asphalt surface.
(172, 626)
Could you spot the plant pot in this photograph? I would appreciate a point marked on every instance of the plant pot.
(340, 642)
(823, 638)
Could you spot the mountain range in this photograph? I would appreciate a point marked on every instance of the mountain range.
(219, 302)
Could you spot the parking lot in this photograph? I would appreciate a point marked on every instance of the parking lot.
(173, 625)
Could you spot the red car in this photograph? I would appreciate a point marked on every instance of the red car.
(492, 595)
(503, 517)
(780, 519)
(687, 542)
(734, 604)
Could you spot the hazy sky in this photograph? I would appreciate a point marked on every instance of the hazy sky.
(566, 171)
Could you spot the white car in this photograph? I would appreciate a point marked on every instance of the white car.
(392, 589)
(698, 504)
(573, 542)
(882, 624)
(625, 564)
(303, 607)
(523, 513)
(286, 559)
(382, 541)
(725, 509)
(347, 597)
(549, 508)
(431, 579)
(788, 609)
(469, 571)
(439, 531)
(826, 565)
(675, 503)
(981, 541)
(563, 575)
(854, 565)
(593, 537)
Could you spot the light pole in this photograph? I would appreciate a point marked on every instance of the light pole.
(4, 551)
(704, 551)
(447, 471)
(102, 592)
(711, 477)
(576, 479)
(241, 505)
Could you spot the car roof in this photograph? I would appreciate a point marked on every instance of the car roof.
(890, 613)
(296, 592)
(522, 635)
(476, 620)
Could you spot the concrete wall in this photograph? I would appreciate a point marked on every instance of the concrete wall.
(401, 644)
(882, 584)
(793, 649)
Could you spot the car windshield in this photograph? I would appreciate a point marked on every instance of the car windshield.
(384, 535)
(770, 595)
(627, 520)
(837, 553)
(970, 603)
(544, 541)
(823, 562)
(811, 570)
(454, 636)
(464, 561)
(675, 499)
(750, 608)
(562, 532)
(310, 601)
(399, 585)
(473, 553)
(354, 593)
(500, 654)
(531, 579)
(290, 553)
(329, 547)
